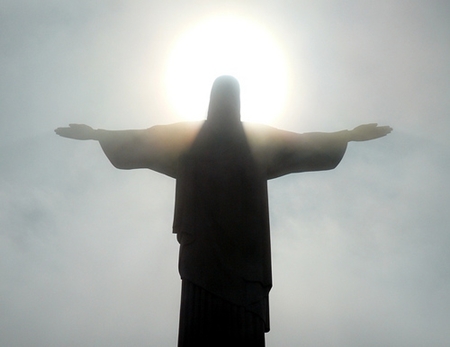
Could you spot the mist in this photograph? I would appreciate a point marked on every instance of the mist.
(360, 253)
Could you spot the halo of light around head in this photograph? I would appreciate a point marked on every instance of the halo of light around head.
(227, 46)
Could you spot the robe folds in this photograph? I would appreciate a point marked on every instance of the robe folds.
(221, 209)
(221, 219)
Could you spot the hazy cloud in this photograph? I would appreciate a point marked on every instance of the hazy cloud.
(360, 254)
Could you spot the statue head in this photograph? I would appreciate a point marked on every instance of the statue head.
(225, 104)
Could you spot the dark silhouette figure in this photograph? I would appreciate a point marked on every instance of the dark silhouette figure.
(221, 167)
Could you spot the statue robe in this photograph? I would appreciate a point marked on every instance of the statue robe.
(221, 208)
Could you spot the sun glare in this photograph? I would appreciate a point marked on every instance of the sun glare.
(227, 46)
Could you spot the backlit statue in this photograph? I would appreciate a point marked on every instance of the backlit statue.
(221, 167)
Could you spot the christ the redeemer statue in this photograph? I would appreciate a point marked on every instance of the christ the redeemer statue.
(221, 167)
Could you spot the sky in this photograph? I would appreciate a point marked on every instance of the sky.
(360, 253)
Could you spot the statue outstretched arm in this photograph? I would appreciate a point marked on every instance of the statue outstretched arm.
(283, 152)
(157, 148)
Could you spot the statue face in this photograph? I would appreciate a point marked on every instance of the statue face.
(225, 99)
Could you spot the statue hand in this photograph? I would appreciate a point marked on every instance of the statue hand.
(367, 132)
(77, 132)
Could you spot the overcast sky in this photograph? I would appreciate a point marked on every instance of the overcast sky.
(360, 254)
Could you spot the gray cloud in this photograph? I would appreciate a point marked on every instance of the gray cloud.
(360, 253)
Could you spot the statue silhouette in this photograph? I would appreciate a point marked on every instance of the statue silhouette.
(221, 167)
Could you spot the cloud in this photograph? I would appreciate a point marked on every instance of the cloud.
(359, 253)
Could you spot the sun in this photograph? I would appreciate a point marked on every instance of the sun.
(227, 46)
